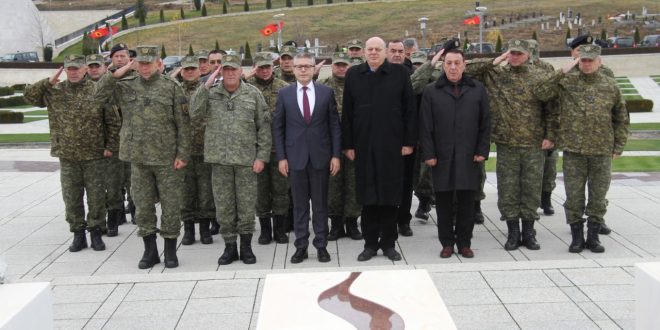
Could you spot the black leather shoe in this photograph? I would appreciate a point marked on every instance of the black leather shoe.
(229, 255)
(300, 255)
(366, 254)
(97, 242)
(391, 254)
(188, 233)
(79, 241)
(323, 255)
(405, 230)
(150, 256)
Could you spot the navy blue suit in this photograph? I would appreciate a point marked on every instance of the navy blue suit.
(308, 148)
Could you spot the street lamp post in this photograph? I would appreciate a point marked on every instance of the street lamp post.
(480, 12)
(422, 24)
(278, 17)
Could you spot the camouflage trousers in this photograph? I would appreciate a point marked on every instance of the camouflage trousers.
(114, 199)
(519, 176)
(342, 195)
(594, 172)
(481, 195)
(77, 179)
(234, 192)
(197, 192)
(272, 191)
(149, 183)
(422, 180)
(550, 170)
(126, 181)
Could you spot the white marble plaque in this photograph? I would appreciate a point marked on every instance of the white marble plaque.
(647, 295)
(26, 306)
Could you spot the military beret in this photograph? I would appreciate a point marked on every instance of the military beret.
(202, 53)
(340, 58)
(263, 59)
(118, 47)
(132, 53)
(418, 57)
(147, 53)
(581, 40)
(74, 60)
(451, 44)
(231, 61)
(94, 59)
(190, 62)
(354, 43)
(356, 60)
(589, 51)
(518, 45)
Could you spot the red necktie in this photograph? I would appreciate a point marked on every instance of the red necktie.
(307, 114)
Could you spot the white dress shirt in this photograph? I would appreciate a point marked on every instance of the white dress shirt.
(311, 96)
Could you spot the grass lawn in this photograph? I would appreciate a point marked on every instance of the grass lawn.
(645, 126)
(623, 164)
(629, 97)
(36, 112)
(632, 145)
(19, 138)
(31, 119)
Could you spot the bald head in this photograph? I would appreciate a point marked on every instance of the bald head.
(375, 51)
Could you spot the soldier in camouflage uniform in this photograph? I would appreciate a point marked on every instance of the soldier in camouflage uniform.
(272, 187)
(155, 138)
(82, 133)
(593, 130)
(355, 48)
(522, 130)
(197, 193)
(285, 70)
(204, 65)
(551, 155)
(237, 143)
(343, 208)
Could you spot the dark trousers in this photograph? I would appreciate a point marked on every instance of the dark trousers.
(461, 233)
(403, 213)
(379, 221)
(309, 184)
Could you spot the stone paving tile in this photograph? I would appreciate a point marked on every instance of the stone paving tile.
(153, 308)
(69, 324)
(530, 295)
(228, 305)
(557, 277)
(536, 312)
(574, 293)
(598, 276)
(225, 288)
(75, 311)
(237, 321)
(95, 324)
(609, 292)
(618, 310)
(114, 300)
(82, 293)
(464, 316)
(559, 325)
(160, 291)
(458, 281)
(607, 325)
(626, 324)
(469, 297)
(163, 322)
(592, 310)
(517, 279)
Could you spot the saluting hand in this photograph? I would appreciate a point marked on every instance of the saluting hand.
(176, 72)
(334, 166)
(317, 68)
(568, 67)
(249, 74)
(124, 69)
(501, 58)
(56, 77)
(437, 57)
(211, 80)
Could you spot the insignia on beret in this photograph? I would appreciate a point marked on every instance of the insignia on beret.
(518, 42)
(122, 45)
(587, 48)
(589, 39)
(144, 51)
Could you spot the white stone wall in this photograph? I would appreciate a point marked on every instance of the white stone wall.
(23, 28)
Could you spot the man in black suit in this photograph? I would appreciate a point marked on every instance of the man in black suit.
(307, 139)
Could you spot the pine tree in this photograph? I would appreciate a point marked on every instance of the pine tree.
(198, 4)
(636, 36)
(246, 6)
(337, 48)
(534, 36)
(310, 2)
(498, 44)
(204, 13)
(568, 33)
(190, 50)
(248, 53)
(163, 54)
(162, 16)
(269, 4)
(141, 12)
(181, 13)
(124, 22)
(106, 47)
(217, 45)
(603, 34)
(224, 7)
(289, 4)
(329, 2)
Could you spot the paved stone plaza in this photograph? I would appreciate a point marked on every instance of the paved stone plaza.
(549, 288)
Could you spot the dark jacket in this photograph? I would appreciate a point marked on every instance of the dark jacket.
(453, 130)
(298, 142)
(379, 117)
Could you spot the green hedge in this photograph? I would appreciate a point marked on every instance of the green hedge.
(4, 91)
(19, 87)
(639, 105)
(12, 101)
(11, 117)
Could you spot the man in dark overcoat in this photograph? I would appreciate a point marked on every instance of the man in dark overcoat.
(379, 127)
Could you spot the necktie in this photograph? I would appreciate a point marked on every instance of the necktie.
(307, 114)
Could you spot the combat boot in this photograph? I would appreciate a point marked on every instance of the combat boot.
(529, 235)
(205, 231)
(215, 226)
(478, 215)
(279, 231)
(352, 229)
(79, 241)
(336, 228)
(593, 243)
(513, 237)
(247, 255)
(266, 235)
(423, 208)
(229, 255)
(604, 229)
(131, 210)
(113, 217)
(150, 256)
(577, 234)
(188, 233)
(171, 261)
(546, 203)
(96, 240)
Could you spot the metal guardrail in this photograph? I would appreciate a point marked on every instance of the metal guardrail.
(79, 32)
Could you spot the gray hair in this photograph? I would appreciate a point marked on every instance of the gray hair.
(304, 55)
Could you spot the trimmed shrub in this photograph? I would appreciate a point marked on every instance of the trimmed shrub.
(12, 101)
(18, 87)
(4, 91)
(639, 105)
(11, 117)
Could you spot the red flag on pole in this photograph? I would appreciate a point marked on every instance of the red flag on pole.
(472, 20)
(102, 32)
(270, 29)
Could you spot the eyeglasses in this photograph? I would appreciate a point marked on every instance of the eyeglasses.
(302, 66)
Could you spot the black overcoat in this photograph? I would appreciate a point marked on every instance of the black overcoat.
(453, 129)
(379, 117)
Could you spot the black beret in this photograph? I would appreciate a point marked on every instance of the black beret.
(581, 40)
(132, 53)
(451, 44)
(118, 47)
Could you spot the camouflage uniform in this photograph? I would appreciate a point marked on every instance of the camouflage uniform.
(80, 130)
(603, 69)
(155, 131)
(277, 71)
(237, 134)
